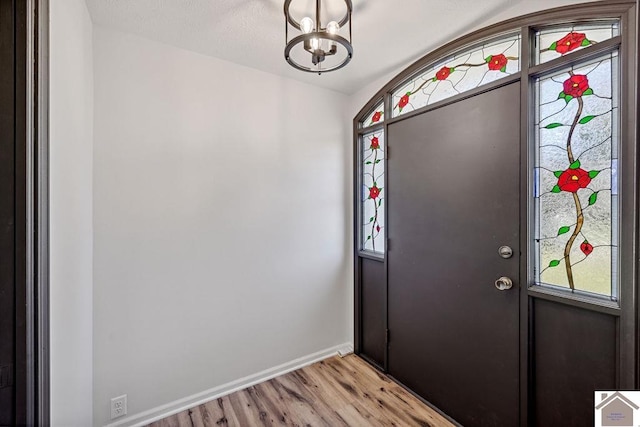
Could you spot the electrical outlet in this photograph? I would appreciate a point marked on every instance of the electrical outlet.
(119, 406)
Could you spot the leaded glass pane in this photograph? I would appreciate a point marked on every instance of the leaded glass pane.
(372, 195)
(376, 116)
(555, 42)
(575, 193)
(464, 71)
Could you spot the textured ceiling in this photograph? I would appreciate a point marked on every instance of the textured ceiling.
(386, 33)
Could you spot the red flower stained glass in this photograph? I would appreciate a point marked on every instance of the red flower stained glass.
(497, 62)
(586, 248)
(463, 71)
(576, 85)
(372, 177)
(554, 41)
(570, 132)
(374, 192)
(570, 42)
(572, 180)
(404, 100)
(375, 116)
(443, 73)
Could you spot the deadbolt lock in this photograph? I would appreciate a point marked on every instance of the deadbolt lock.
(505, 252)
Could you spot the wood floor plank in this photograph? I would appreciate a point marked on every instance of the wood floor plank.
(401, 403)
(307, 404)
(215, 413)
(368, 394)
(246, 411)
(336, 392)
(330, 392)
(265, 399)
(272, 404)
(356, 416)
(347, 400)
(287, 400)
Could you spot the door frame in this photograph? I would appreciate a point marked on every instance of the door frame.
(38, 175)
(627, 340)
(31, 47)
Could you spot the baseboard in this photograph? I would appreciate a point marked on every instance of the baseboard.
(345, 349)
(160, 412)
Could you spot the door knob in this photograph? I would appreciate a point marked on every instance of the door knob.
(504, 283)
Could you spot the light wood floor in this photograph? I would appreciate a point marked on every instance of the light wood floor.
(335, 392)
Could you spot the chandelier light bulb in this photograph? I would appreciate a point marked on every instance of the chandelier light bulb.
(306, 25)
(315, 43)
(333, 27)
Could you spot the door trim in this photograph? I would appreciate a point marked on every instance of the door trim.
(526, 151)
(36, 157)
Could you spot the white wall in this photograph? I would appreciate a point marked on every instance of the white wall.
(220, 215)
(71, 251)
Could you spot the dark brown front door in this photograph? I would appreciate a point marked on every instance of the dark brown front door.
(454, 199)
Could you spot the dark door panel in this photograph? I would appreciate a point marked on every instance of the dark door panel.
(574, 355)
(373, 310)
(453, 194)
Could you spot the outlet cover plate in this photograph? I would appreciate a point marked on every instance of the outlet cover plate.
(119, 406)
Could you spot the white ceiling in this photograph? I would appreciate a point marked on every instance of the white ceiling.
(387, 34)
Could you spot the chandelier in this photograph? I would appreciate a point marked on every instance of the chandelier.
(317, 48)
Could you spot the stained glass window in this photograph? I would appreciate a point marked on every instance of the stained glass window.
(464, 71)
(555, 42)
(575, 193)
(372, 194)
(376, 116)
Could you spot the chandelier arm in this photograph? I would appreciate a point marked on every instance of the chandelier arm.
(347, 16)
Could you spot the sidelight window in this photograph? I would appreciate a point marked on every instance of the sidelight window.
(576, 177)
(372, 192)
